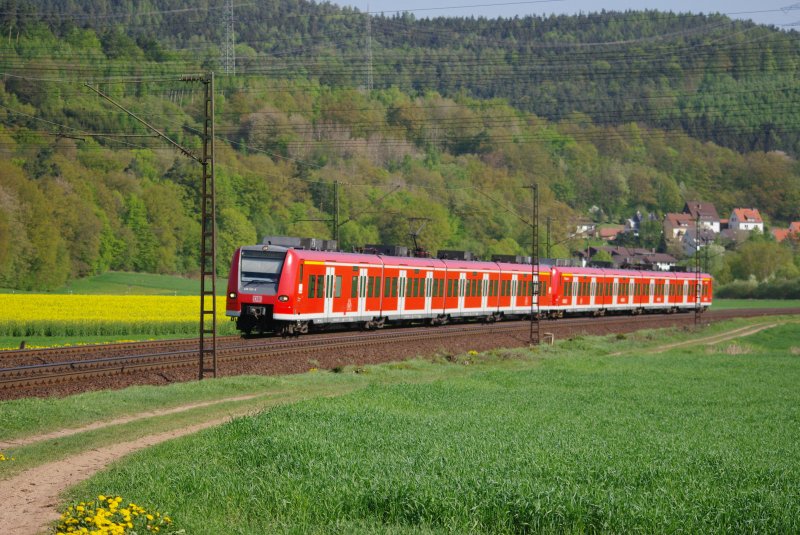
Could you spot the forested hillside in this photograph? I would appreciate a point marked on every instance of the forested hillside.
(84, 188)
(731, 82)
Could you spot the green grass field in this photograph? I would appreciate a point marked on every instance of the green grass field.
(726, 304)
(122, 283)
(567, 439)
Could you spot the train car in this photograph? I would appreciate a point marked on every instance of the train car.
(273, 289)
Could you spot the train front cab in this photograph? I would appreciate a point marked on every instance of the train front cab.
(256, 289)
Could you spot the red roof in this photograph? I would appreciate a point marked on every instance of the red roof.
(780, 234)
(680, 220)
(609, 232)
(749, 215)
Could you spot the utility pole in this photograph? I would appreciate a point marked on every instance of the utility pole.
(229, 61)
(336, 211)
(548, 236)
(697, 308)
(208, 221)
(535, 330)
(369, 50)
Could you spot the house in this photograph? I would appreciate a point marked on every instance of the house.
(792, 232)
(609, 232)
(746, 219)
(633, 224)
(622, 257)
(780, 234)
(586, 228)
(676, 225)
(694, 240)
(705, 213)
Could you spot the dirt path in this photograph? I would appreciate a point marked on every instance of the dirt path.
(16, 443)
(718, 338)
(30, 499)
(708, 341)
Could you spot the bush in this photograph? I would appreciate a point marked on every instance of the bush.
(778, 289)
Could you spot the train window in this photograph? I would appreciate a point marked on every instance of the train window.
(370, 286)
(362, 287)
(402, 287)
(338, 285)
(354, 288)
(394, 286)
(387, 287)
(469, 288)
(320, 285)
(311, 286)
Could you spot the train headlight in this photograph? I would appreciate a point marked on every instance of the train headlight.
(232, 295)
(283, 298)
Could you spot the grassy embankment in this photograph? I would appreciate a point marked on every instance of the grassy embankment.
(569, 438)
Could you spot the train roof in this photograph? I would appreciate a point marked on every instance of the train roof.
(466, 265)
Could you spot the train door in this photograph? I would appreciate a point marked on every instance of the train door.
(362, 291)
(485, 292)
(512, 289)
(593, 291)
(401, 293)
(428, 291)
(330, 277)
(462, 284)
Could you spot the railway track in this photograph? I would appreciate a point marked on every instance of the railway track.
(47, 369)
(46, 374)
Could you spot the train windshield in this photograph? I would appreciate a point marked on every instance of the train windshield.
(262, 267)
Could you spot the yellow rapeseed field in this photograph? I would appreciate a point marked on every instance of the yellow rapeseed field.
(69, 315)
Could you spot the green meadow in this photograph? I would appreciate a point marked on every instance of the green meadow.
(591, 435)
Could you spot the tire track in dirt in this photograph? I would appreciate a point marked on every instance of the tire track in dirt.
(26, 441)
(30, 499)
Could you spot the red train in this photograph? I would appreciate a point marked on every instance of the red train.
(287, 291)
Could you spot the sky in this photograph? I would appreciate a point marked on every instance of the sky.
(781, 13)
